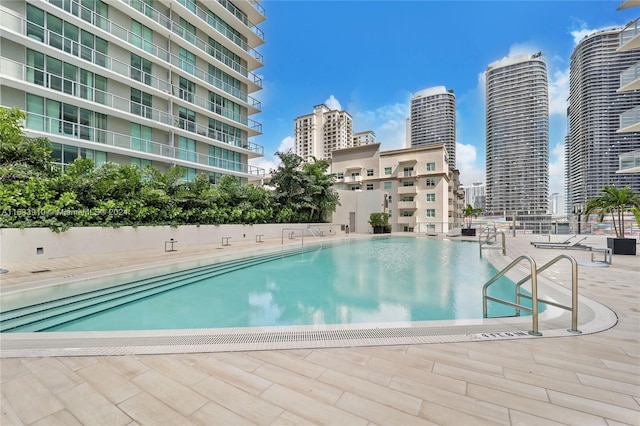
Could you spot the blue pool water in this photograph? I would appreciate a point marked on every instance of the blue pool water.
(378, 280)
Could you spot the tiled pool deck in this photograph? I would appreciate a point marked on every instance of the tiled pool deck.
(583, 380)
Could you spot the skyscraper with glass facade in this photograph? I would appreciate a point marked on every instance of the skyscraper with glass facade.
(163, 83)
(433, 120)
(517, 152)
(596, 113)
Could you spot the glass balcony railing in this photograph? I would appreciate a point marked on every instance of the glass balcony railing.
(629, 160)
(73, 47)
(630, 75)
(257, 6)
(204, 16)
(191, 38)
(33, 75)
(629, 118)
(629, 32)
(51, 125)
(242, 17)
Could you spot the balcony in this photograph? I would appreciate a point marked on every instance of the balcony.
(205, 17)
(630, 37)
(407, 190)
(629, 162)
(19, 25)
(630, 79)
(202, 45)
(630, 121)
(353, 179)
(406, 174)
(103, 140)
(407, 220)
(21, 72)
(407, 205)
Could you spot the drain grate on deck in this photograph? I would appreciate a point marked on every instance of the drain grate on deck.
(61, 344)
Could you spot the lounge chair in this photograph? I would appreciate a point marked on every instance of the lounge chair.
(565, 244)
(568, 240)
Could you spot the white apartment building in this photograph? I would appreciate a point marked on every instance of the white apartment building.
(415, 186)
(433, 120)
(364, 138)
(474, 195)
(162, 83)
(517, 134)
(601, 115)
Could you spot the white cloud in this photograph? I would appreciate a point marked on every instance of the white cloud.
(269, 163)
(333, 103)
(466, 156)
(556, 169)
(388, 122)
(558, 92)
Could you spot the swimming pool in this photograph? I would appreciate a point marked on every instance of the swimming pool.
(378, 280)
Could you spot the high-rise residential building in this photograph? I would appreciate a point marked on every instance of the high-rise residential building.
(517, 162)
(364, 138)
(597, 111)
(325, 130)
(474, 196)
(142, 82)
(415, 186)
(433, 120)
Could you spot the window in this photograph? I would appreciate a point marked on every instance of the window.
(141, 69)
(408, 171)
(387, 171)
(431, 213)
(389, 199)
(431, 198)
(369, 172)
(141, 137)
(141, 103)
(407, 213)
(340, 175)
(225, 158)
(189, 30)
(140, 163)
(186, 89)
(142, 36)
(187, 61)
(187, 119)
(389, 212)
(407, 198)
(369, 186)
(388, 185)
(431, 182)
(431, 167)
(407, 183)
(186, 149)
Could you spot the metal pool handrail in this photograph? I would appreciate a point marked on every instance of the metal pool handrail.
(491, 234)
(292, 229)
(533, 276)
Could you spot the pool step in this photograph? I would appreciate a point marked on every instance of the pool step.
(53, 313)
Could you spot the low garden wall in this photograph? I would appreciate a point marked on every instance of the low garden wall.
(32, 244)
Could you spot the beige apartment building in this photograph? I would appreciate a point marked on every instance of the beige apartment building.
(415, 186)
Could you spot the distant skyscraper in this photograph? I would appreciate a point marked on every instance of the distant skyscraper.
(594, 144)
(364, 138)
(475, 196)
(433, 120)
(323, 131)
(517, 108)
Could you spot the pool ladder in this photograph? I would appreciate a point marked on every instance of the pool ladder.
(533, 276)
(491, 234)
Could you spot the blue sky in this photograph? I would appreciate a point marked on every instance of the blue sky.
(369, 57)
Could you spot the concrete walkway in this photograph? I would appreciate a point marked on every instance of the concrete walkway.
(582, 380)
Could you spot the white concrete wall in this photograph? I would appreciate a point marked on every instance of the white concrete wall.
(363, 203)
(19, 245)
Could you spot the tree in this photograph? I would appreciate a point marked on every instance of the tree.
(469, 212)
(613, 201)
(21, 158)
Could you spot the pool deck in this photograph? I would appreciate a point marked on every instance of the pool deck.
(589, 379)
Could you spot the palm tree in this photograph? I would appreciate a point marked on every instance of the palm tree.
(613, 201)
(469, 213)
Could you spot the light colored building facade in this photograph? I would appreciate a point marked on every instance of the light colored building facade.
(630, 82)
(517, 137)
(321, 132)
(597, 111)
(433, 120)
(162, 83)
(415, 186)
(364, 138)
(474, 196)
